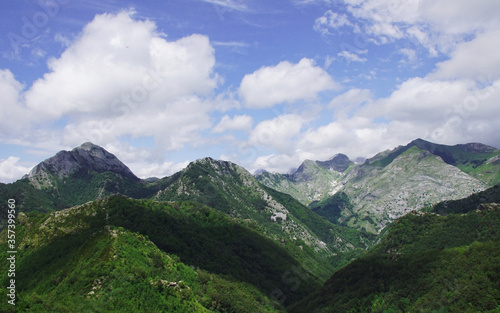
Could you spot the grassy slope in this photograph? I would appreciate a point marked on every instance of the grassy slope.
(233, 268)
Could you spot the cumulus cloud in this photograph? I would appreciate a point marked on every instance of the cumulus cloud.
(284, 83)
(278, 133)
(12, 110)
(11, 169)
(120, 59)
(436, 25)
(238, 122)
(442, 111)
(121, 77)
(473, 59)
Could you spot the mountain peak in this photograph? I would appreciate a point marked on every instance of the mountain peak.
(88, 156)
(339, 162)
(88, 146)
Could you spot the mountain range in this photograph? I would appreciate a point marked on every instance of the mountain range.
(370, 195)
(211, 235)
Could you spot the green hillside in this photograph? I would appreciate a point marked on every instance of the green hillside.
(231, 189)
(128, 249)
(425, 263)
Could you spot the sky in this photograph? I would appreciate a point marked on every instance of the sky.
(264, 84)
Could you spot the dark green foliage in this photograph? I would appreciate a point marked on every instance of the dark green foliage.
(470, 203)
(26, 198)
(208, 239)
(328, 232)
(230, 189)
(425, 263)
(332, 207)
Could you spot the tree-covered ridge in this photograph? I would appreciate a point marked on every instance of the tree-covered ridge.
(231, 189)
(425, 263)
(129, 249)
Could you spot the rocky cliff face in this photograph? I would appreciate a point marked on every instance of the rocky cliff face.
(413, 180)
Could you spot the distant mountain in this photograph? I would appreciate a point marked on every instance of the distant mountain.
(69, 178)
(312, 181)
(88, 157)
(370, 195)
(424, 263)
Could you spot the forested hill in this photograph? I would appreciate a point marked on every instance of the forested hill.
(426, 262)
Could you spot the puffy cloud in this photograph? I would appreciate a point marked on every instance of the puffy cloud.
(11, 169)
(120, 77)
(474, 59)
(238, 122)
(118, 59)
(279, 133)
(435, 24)
(13, 115)
(285, 82)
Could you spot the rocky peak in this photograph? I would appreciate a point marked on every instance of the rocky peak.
(339, 162)
(87, 156)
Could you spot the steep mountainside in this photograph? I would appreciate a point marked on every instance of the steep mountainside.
(424, 263)
(476, 159)
(312, 181)
(125, 255)
(368, 196)
(231, 189)
(412, 180)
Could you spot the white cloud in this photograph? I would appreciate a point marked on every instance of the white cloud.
(284, 83)
(119, 59)
(352, 57)
(437, 25)
(410, 54)
(12, 110)
(236, 5)
(348, 103)
(279, 133)
(121, 77)
(238, 122)
(330, 21)
(475, 59)
(11, 169)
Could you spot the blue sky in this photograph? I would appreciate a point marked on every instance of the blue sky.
(265, 84)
